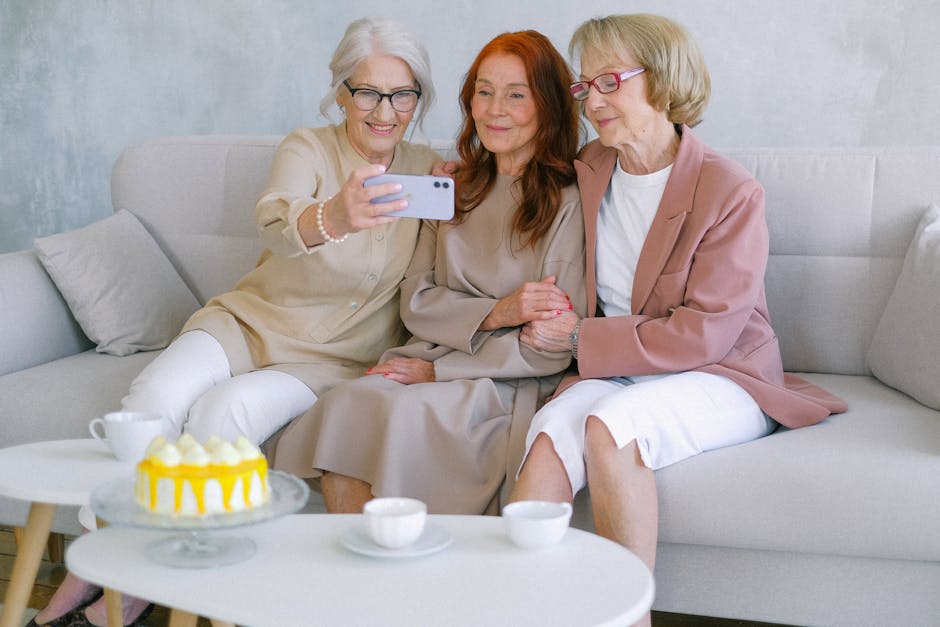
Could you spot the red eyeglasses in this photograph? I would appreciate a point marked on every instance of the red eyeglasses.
(605, 83)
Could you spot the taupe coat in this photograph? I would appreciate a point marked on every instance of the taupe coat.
(454, 442)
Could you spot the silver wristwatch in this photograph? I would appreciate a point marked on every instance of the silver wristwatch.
(573, 336)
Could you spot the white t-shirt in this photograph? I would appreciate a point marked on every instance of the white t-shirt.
(626, 213)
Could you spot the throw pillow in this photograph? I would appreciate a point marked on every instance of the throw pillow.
(905, 351)
(120, 287)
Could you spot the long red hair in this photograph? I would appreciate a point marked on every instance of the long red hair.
(556, 141)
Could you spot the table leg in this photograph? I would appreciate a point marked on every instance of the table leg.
(56, 547)
(179, 618)
(28, 556)
(112, 605)
(112, 598)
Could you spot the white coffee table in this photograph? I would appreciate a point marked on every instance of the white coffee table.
(49, 474)
(302, 574)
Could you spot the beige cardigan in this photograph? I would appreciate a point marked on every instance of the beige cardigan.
(323, 313)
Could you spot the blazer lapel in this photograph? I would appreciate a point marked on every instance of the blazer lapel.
(676, 203)
(593, 177)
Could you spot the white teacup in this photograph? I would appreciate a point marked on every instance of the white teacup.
(535, 524)
(395, 522)
(127, 433)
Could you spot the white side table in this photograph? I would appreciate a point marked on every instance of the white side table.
(302, 574)
(48, 474)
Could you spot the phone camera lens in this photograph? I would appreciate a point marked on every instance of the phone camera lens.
(446, 185)
(437, 184)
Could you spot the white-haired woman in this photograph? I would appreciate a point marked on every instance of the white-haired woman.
(321, 305)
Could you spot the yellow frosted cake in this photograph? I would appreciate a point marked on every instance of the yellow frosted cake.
(189, 479)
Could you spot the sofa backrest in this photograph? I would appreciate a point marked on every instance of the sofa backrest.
(196, 196)
(840, 221)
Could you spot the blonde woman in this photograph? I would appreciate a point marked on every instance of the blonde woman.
(677, 355)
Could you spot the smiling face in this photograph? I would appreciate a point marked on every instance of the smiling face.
(504, 112)
(374, 134)
(625, 116)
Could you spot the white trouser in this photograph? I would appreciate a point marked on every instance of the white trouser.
(671, 417)
(191, 385)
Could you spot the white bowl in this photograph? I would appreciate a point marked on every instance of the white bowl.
(395, 522)
(534, 524)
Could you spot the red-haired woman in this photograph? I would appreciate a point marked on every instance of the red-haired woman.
(444, 417)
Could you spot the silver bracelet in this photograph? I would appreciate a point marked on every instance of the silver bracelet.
(326, 236)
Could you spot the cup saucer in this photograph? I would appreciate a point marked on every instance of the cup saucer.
(433, 539)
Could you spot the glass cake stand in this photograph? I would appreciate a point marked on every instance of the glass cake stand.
(198, 547)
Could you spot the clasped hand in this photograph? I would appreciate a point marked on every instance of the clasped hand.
(536, 300)
(552, 335)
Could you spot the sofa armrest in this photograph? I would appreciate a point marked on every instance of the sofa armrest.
(36, 325)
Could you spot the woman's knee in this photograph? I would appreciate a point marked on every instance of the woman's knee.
(543, 457)
(601, 449)
(542, 446)
(216, 413)
(597, 437)
(543, 474)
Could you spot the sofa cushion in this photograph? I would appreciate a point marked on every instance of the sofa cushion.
(863, 483)
(36, 322)
(904, 353)
(55, 400)
(119, 285)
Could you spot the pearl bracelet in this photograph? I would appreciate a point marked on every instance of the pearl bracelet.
(326, 236)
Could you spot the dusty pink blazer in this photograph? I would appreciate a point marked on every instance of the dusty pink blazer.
(698, 298)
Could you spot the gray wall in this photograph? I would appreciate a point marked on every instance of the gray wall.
(81, 80)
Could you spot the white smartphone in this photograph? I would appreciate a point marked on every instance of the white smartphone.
(428, 196)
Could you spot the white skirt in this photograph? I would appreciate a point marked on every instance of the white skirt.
(671, 417)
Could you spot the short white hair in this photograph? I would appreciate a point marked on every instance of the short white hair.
(367, 37)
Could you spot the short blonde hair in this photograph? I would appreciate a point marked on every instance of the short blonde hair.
(676, 76)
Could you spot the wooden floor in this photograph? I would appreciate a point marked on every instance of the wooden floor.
(51, 574)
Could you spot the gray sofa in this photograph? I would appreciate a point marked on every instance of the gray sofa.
(835, 524)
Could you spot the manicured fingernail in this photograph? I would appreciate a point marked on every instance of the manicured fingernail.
(384, 374)
(568, 297)
(558, 312)
(570, 306)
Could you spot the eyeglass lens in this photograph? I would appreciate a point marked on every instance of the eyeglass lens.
(402, 101)
(605, 83)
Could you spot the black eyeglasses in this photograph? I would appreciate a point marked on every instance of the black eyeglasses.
(368, 99)
(605, 83)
